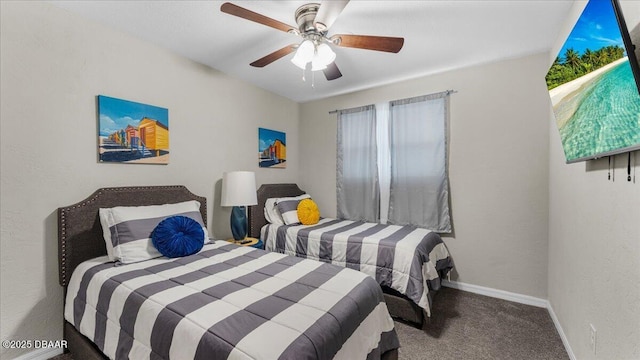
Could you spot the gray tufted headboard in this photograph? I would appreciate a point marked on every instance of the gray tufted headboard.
(80, 233)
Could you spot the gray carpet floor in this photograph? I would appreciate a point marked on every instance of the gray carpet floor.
(468, 326)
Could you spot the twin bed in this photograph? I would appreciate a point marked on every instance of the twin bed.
(406, 261)
(233, 302)
(224, 302)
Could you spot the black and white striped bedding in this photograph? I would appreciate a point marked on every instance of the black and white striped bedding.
(229, 302)
(407, 259)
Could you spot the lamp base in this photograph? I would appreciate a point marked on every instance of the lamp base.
(239, 222)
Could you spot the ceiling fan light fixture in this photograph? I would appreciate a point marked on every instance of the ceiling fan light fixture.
(318, 64)
(297, 61)
(325, 54)
(304, 54)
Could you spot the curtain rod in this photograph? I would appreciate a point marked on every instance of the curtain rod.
(448, 92)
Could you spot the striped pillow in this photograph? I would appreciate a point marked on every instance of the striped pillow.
(127, 229)
(288, 208)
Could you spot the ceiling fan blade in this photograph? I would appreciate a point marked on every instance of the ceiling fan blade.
(238, 11)
(328, 13)
(378, 43)
(332, 72)
(264, 61)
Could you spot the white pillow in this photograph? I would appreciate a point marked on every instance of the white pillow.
(127, 229)
(271, 213)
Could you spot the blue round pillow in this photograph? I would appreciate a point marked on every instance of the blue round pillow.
(178, 236)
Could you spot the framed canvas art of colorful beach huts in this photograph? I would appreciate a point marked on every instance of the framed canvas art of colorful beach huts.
(272, 149)
(131, 132)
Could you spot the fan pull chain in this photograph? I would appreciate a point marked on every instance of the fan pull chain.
(313, 79)
(303, 77)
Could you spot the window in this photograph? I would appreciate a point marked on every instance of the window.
(394, 165)
(419, 188)
(357, 173)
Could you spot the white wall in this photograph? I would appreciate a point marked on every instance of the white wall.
(498, 166)
(594, 254)
(572, 17)
(53, 64)
(594, 244)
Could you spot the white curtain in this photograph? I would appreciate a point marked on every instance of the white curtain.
(357, 168)
(384, 158)
(419, 183)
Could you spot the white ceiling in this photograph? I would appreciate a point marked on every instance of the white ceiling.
(439, 36)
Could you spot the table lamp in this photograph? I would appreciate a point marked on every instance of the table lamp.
(239, 190)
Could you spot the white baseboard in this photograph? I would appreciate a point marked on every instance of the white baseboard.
(495, 293)
(40, 354)
(518, 298)
(565, 341)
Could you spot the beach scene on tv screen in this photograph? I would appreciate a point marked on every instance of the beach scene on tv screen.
(593, 92)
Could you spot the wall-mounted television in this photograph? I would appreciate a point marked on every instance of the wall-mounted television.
(594, 83)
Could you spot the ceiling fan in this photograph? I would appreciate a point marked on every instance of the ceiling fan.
(314, 21)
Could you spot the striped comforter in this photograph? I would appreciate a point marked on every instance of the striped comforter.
(407, 259)
(229, 302)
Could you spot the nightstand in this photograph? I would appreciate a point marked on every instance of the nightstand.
(255, 243)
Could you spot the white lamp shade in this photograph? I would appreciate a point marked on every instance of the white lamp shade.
(325, 54)
(317, 64)
(297, 61)
(306, 50)
(304, 54)
(239, 189)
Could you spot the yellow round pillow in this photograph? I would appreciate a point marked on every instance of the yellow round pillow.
(308, 212)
